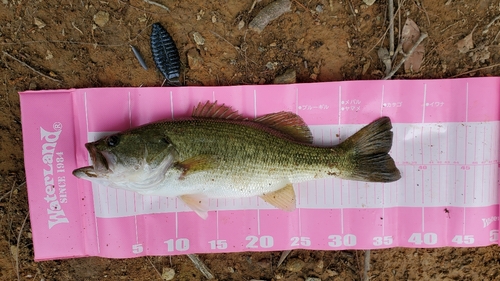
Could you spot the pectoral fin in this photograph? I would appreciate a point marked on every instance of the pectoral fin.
(198, 203)
(197, 164)
(283, 198)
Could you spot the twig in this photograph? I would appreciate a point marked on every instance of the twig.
(34, 70)
(216, 34)
(9, 192)
(406, 56)
(496, 36)
(201, 266)
(423, 9)
(157, 4)
(381, 37)
(391, 27)
(159, 274)
(283, 257)
(18, 239)
(490, 24)
(477, 69)
(253, 6)
(367, 266)
(74, 25)
(300, 4)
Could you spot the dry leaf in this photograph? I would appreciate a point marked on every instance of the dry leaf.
(465, 44)
(409, 37)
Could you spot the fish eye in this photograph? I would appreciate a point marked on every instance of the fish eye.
(113, 141)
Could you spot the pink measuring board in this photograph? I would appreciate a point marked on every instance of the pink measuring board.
(446, 139)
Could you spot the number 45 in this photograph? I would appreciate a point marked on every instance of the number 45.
(465, 239)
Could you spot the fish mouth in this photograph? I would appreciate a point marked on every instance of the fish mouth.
(98, 159)
(100, 164)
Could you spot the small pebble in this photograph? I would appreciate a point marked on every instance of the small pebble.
(49, 55)
(241, 24)
(198, 39)
(331, 273)
(38, 22)
(168, 273)
(369, 2)
(289, 77)
(195, 61)
(295, 265)
(264, 263)
(319, 8)
(271, 65)
(319, 266)
(101, 18)
(313, 279)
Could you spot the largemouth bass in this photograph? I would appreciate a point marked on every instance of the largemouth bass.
(217, 153)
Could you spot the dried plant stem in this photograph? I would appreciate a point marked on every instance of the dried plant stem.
(18, 240)
(406, 56)
(149, 260)
(477, 69)
(284, 254)
(201, 266)
(391, 27)
(367, 266)
(383, 35)
(157, 4)
(34, 70)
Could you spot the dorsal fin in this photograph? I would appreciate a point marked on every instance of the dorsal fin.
(288, 123)
(216, 111)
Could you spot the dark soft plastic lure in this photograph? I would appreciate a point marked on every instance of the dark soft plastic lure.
(165, 54)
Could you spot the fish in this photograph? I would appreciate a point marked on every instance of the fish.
(218, 153)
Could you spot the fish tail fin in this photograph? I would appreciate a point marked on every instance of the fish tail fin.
(367, 153)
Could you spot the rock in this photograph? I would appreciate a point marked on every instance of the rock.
(241, 24)
(331, 273)
(168, 273)
(264, 263)
(271, 65)
(295, 265)
(49, 55)
(269, 13)
(198, 39)
(289, 77)
(313, 279)
(195, 61)
(101, 18)
(38, 22)
(319, 266)
(369, 2)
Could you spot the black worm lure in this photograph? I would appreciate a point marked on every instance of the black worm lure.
(165, 54)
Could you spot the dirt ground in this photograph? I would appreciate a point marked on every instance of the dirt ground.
(86, 44)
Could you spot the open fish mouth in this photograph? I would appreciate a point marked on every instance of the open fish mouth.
(100, 164)
(99, 161)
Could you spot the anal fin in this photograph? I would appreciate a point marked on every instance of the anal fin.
(198, 203)
(283, 198)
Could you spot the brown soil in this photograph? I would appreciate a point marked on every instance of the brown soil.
(321, 40)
